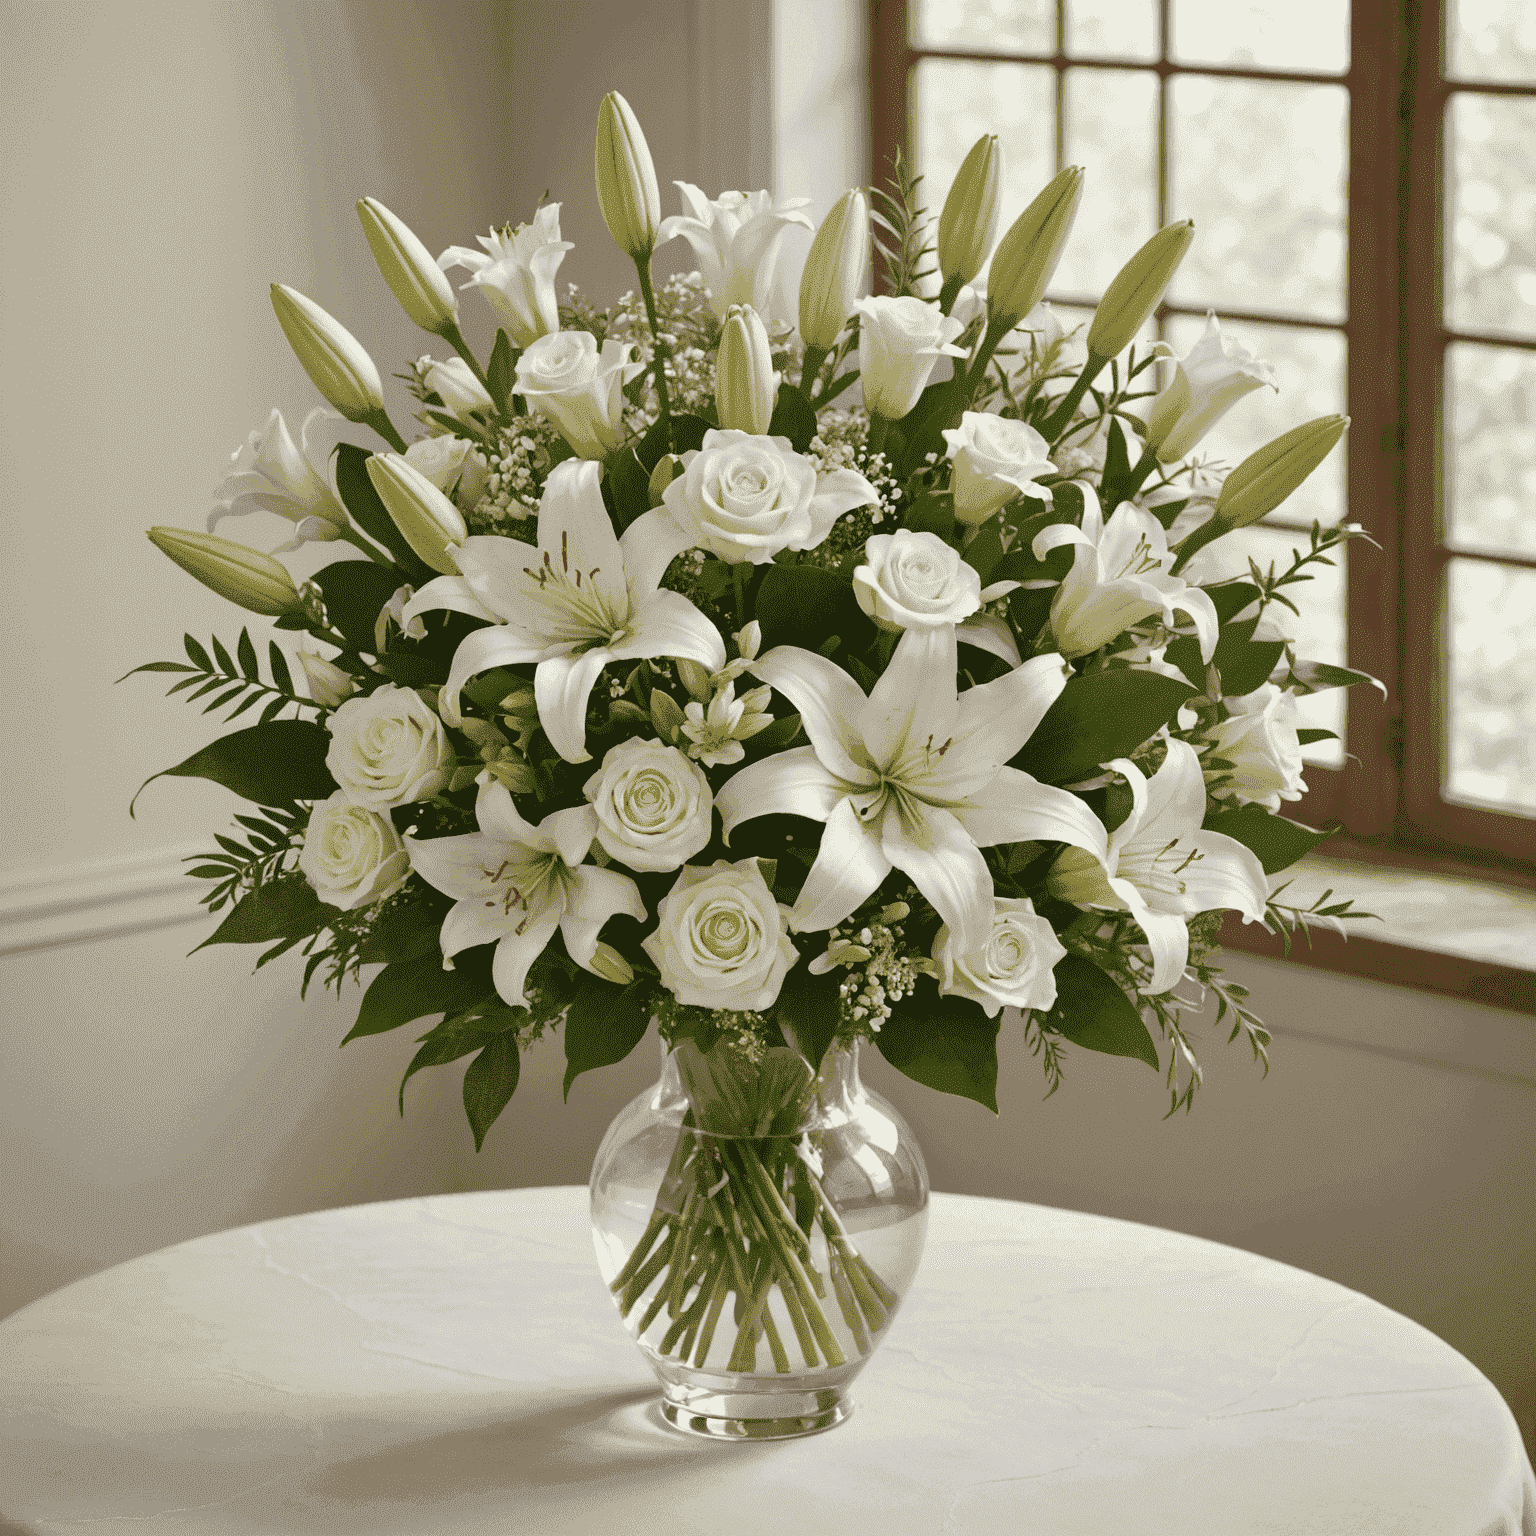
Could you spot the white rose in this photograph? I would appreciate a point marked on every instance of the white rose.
(996, 459)
(653, 806)
(578, 389)
(721, 941)
(388, 749)
(900, 340)
(328, 683)
(1259, 740)
(352, 856)
(453, 465)
(915, 581)
(1013, 969)
(744, 498)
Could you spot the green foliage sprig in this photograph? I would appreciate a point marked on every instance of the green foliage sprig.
(233, 679)
(903, 232)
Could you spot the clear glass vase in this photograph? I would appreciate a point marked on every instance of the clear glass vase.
(758, 1227)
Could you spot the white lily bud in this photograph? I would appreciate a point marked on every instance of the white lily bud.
(749, 641)
(608, 963)
(244, 576)
(1138, 287)
(1210, 379)
(428, 520)
(1028, 253)
(834, 271)
(328, 684)
(421, 286)
(330, 354)
(968, 224)
(626, 179)
(462, 394)
(746, 386)
(695, 679)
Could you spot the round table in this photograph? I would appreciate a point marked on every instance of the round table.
(454, 1365)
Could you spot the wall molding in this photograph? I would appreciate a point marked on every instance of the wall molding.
(60, 904)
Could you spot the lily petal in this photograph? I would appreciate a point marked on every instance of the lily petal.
(989, 632)
(561, 687)
(474, 921)
(569, 832)
(574, 522)
(498, 646)
(829, 702)
(519, 949)
(942, 861)
(996, 719)
(499, 817)
(596, 895)
(649, 545)
(1198, 605)
(849, 867)
(792, 783)
(1168, 940)
(451, 593)
(1225, 874)
(667, 624)
(912, 712)
(1175, 797)
(1015, 808)
(456, 865)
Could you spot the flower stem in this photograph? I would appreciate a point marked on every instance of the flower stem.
(810, 367)
(374, 553)
(380, 422)
(658, 355)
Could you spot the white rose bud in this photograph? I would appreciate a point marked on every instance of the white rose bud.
(328, 684)
(721, 941)
(995, 459)
(1259, 740)
(744, 498)
(388, 749)
(1210, 379)
(900, 340)
(915, 581)
(462, 394)
(1013, 969)
(653, 806)
(352, 856)
(746, 384)
(577, 389)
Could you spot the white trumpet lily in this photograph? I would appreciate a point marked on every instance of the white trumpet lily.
(1162, 867)
(912, 777)
(516, 883)
(579, 600)
(1121, 574)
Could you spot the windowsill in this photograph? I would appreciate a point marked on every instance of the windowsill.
(1444, 932)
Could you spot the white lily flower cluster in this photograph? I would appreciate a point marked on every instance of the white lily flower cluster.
(910, 707)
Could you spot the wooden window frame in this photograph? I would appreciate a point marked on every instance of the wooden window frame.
(1389, 801)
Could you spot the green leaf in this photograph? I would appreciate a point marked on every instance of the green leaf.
(1231, 598)
(247, 654)
(805, 605)
(403, 933)
(1308, 734)
(1092, 1011)
(628, 485)
(355, 591)
(807, 1010)
(458, 1036)
(945, 1043)
(272, 764)
(490, 1082)
(278, 663)
(160, 666)
(416, 989)
(985, 550)
(1319, 676)
(225, 660)
(931, 514)
(604, 1025)
(198, 655)
(499, 373)
(1277, 841)
(923, 426)
(368, 512)
(688, 433)
(653, 447)
(1117, 465)
(775, 737)
(1098, 716)
(793, 418)
(285, 908)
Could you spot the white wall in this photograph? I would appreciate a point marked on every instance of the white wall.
(147, 1097)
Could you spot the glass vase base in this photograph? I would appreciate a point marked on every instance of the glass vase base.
(753, 1415)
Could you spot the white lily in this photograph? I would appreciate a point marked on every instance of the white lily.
(516, 273)
(912, 777)
(577, 601)
(516, 883)
(1162, 866)
(1209, 380)
(1121, 574)
(735, 241)
(270, 473)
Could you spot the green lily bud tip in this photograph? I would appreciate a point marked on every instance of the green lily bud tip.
(244, 576)
(1027, 255)
(968, 224)
(330, 354)
(421, 286)
(834, 271)
(626, 179)
(1137, 290)
(426, 518)
(1266, 477)
(746, 385)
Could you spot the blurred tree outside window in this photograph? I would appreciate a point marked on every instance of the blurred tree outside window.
(1361, 181)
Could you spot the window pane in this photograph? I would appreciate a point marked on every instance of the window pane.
(1492, 39)
(1112, 132)
(1491, 686)
(1111, 29)
(1491, 285)
(1319, 633)
(1310, 370)
(1260, 168)
(1019, 26)
(1490, 441)
(954, 102)
(1267, 34)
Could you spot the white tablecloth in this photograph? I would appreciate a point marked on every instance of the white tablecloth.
(454, 1365)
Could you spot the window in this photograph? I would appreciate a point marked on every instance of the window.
(1365, 212)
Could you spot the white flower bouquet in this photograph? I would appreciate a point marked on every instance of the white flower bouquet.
(785, 683)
